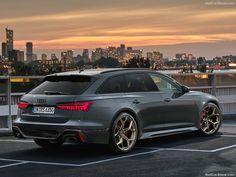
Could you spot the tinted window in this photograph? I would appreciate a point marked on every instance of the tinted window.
(139, 83)
(163, 84)
(113, 85)
(71, 85)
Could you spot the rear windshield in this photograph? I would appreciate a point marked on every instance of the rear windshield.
(63, 85)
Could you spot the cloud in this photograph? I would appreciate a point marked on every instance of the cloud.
(101, 23)
(103, 41)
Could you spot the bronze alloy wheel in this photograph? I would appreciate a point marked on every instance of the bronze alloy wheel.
(124, 133)
(210, 119)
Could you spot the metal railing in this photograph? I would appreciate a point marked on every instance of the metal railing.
(222, 85)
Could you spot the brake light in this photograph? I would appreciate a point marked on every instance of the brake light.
(23, 105)
(76, 106)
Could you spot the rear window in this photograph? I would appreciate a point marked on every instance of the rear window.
(63, 85)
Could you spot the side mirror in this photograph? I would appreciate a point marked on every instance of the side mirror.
(185, 89)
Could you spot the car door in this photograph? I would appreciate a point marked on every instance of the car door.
(176, 109)
(144, 97)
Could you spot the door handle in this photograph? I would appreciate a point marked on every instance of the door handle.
(136, 101)
(167, 99)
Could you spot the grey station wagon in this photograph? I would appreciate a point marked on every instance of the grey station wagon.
(113, 106)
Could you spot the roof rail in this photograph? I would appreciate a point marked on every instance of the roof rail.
(124, 69)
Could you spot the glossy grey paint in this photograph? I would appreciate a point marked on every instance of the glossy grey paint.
(156, 113)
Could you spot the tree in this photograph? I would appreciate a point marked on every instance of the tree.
(138, 62)
(107, 63)
(36, 68)
(20, 68)
(80, 63)
(201, 64)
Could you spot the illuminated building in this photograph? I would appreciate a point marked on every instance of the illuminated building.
(133, 54)
(99, 53)
(112, 52)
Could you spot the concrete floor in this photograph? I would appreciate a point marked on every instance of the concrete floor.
(183, 155)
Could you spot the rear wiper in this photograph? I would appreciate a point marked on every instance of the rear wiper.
(55, 93)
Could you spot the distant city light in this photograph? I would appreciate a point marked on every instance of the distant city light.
(201, 76)
(16, 80)
(232, 64)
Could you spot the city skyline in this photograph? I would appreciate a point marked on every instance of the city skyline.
(198, 27)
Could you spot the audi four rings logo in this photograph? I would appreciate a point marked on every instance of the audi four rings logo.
(41, 100)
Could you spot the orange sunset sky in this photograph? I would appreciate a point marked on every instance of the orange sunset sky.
(152, 24)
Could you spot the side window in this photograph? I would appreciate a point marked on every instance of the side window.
(112, 85)
(163, 84)
(139, 83)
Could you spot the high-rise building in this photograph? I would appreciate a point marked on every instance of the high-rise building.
(85, 55)
(184, 56)
(133, 54)
(70, 54)
(16, 55)
(150, 55)
(44, 57)
(111, 52)
(99, 53)
(20, 56)
(67, 55)
(63, 55)
(29, 51)
(4, 50)
(9, 40)
(53, 56)
(178, 56)
(12, 55)
(122, 51)
(190, 56)
(34, 57)
(157, 56)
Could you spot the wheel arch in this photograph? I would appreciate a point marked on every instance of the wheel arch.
(132, 113)
(218, 105)
(214, 102)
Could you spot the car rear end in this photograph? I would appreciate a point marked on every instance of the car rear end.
(55, 109)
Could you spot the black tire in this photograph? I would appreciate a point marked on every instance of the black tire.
(214, 113)
(48, 144)
(129, 133)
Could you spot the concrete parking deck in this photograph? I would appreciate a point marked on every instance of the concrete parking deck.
(178, 155)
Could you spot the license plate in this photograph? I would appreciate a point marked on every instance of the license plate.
(44, 110)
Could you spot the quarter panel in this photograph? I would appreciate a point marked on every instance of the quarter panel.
(105, 107)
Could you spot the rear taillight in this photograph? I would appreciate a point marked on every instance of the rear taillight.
(23, 105)
(76, 106)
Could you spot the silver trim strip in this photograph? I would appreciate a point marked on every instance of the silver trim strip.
(167, 132)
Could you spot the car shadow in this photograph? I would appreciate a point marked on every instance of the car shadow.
(83, 153)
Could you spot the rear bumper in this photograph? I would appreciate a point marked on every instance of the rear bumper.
(60, 132)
